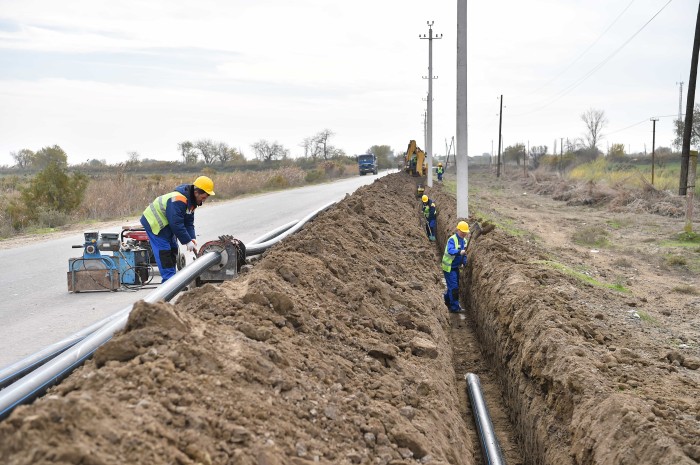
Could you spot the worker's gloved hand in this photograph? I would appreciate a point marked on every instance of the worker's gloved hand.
(192, 246)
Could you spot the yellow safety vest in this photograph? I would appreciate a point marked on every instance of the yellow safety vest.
(447, 259)
(155, 212)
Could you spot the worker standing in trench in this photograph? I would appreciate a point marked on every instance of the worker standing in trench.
(430, 214)
(440, 171)
(170, 218)
(455, 256)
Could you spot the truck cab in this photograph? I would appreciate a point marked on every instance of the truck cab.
(367, 163)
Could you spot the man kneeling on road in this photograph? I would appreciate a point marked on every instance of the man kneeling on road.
(454, 257)
(170, 218)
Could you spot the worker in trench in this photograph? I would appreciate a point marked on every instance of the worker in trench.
(430, 214)
(170, 218)
(453, 259)
(440, 171)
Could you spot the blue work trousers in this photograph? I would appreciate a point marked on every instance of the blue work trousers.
(452, 293)
(439, 176)
(165, 253)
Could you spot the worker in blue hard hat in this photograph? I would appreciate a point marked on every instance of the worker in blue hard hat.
(455, 256)
(170, 218)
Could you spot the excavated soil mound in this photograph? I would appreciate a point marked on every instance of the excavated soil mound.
(332, 349)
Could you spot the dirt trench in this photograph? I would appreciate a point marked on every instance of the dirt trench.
(336, 347)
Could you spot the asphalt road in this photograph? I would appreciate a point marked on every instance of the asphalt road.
(37, 310)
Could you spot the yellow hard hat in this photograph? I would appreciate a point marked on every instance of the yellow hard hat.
(205, 183)
(439, 164)
(424, 198)
(463, 226)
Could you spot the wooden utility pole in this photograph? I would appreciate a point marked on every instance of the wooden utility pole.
(690, 103)
(653, 148)
(693, 166)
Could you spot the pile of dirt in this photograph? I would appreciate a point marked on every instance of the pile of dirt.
(619, 198)
(332, 349)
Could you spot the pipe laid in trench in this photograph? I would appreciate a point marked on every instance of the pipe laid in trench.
(489, 442)
(36, 383)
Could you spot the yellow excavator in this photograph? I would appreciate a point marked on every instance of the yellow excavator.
(414, 160)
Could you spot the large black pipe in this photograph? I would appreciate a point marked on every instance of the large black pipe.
(489, 442)
(36, 383)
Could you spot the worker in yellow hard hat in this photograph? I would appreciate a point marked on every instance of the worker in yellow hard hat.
(170, 218)
(455, 256)
(430, 213)
(440, 171)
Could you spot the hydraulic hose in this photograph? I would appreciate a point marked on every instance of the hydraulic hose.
(489, 442)
(36, 383)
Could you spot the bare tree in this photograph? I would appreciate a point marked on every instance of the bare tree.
(267, 151)
(187, 152)
(307, 144)
(23, 158)
(208, 150)
(132, 158)
(595, 123)
(323, 147)
(223, 153)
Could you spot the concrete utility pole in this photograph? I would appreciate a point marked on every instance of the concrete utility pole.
(687, 129)
(680, 99)
(500, 126)
(653, 147)
(462, 152)
(429, 142)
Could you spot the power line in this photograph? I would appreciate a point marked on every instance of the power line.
(585, 51)
(595, 68)
(637, 124)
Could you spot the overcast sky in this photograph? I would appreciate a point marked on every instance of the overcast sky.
(103, 78)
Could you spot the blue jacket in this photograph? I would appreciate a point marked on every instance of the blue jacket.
(180, 215)
(453, 252)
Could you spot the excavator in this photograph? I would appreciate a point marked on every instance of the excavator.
(414, 160)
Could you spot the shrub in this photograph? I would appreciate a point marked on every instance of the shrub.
(315, 176)
(277, 182)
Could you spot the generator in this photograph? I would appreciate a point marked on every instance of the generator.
(128, 265)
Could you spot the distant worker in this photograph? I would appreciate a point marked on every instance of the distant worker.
(170, 218)
(454, 257)
(413, 164)
(430, 213)
(440, 171)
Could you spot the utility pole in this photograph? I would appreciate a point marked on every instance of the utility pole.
(461, 114)
(680, 99)
(690, 103)
(500, 126)
(525, 160)
(653, 147)
(429, 142)
(561, 153)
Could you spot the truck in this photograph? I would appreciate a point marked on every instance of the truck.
(367, 163)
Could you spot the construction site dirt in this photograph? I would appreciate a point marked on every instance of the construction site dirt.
(336, 346)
